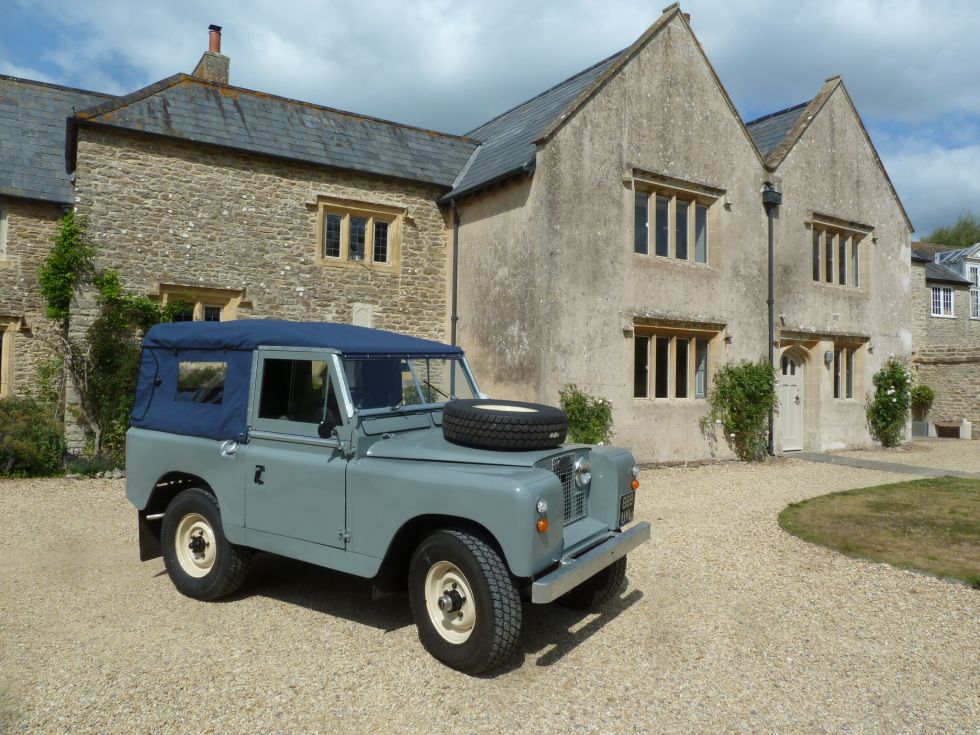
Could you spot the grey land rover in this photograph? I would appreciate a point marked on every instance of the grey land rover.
(372, 453)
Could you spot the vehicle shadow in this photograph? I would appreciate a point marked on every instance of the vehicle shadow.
(324, 591)
(552, 631)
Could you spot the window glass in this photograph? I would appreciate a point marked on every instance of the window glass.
(680, 367)
(842, 260)
(701, 233)
(380, 254)
(662, 367)
(641, 367)
(331, 236)
(439, 380)
(641, 223)
(212, 313)
(680, 241)
(849, 370)
(358, 234)
(201, 382)
(663, 226)
(701, 368)
(830, 257)
(816, 254)
(393, 382)
(855, 271)
(294, 390)
(186, 314)
(837, 367)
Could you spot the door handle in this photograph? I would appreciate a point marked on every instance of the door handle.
(228, 448)
(797, 399)
(259, 469)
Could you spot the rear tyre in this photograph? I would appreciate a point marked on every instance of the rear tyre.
(201, 562)
(597, 590)
(465, 606)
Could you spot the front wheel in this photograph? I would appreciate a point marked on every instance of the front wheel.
(201, 562)
(466, 609)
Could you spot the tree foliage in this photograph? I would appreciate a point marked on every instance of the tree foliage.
(31, 438)
(888, 409)
(964, 233)
(741, 398)
(589, 418)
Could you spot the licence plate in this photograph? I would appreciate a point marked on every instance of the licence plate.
(626, 503)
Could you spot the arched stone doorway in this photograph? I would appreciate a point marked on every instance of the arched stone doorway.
(792, 366)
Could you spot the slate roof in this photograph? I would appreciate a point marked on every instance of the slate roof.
(940, 272)
(930, 249)
(507, 141)
(769, 130)
(189, 108)
(32, 137)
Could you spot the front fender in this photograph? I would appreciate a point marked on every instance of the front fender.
(383, 495)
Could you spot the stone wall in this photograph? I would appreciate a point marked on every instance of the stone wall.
(163, 211)
(946, 353)
(30, 227)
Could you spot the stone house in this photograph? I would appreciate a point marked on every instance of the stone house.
(610, 232)
(617, 224)
(35, 190)
(946, 329)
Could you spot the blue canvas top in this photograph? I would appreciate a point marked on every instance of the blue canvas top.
(220, 410)
(248, 334)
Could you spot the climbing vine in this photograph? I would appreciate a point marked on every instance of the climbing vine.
(69, 264)
(740, 400)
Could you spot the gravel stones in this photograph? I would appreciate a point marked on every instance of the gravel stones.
(728, 624)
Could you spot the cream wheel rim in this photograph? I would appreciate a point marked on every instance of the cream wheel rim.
(194, 541)
(504, 407)
(446, 583)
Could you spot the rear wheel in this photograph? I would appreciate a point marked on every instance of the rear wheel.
(465, 606)
(597, 590)
(201, 562)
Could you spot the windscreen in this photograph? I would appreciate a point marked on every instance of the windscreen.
(393, 382)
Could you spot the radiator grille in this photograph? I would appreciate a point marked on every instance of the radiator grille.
(564, 467)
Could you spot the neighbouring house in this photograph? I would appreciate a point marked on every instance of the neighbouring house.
(946, 329)
(611, 232)
(35, 190)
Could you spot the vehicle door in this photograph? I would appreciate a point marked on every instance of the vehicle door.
(295, 484)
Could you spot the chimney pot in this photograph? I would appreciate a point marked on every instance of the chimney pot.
(214, 39)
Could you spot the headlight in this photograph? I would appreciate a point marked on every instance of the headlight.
(635, 471)
(583, 470)
(541, 506)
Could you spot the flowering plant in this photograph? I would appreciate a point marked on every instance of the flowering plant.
(589, 418)
(888, 409)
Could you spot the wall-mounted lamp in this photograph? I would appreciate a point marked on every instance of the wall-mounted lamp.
(828, 357)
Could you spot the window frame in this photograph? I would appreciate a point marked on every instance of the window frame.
(973, 275)
(697, 198)
(201, 298)
(308, 430)
(835, 253)
(945, 295)
(697, 342)
(373, 213)
(845, 374)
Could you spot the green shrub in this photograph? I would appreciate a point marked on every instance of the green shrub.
(90, 466)
(741, 398)
(32, 441)
(888, 410)
(922, 398)
(589, 418)
(68, 265)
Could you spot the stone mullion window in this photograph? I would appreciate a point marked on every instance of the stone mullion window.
(355, 234)
(202, 304)
(668, 364)
(845, 366)
(673, 221)
(835, 255)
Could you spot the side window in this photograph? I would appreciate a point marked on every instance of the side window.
(297, 391)
(201, 382)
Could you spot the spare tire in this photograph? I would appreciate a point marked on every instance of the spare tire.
(507, 425)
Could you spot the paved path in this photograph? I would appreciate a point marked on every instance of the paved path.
(870, 464)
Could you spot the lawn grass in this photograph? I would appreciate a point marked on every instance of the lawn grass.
(931, 525)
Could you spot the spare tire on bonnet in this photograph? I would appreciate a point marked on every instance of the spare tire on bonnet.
(507, 425)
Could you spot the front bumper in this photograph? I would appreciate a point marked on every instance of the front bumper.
(572, 572)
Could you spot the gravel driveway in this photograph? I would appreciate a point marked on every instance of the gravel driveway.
(728, 625)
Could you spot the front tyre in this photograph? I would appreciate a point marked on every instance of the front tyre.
(598, 590)
(466, 609)
(200, 561)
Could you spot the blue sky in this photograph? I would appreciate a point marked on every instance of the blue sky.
(451, 64)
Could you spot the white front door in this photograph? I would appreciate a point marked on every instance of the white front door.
(791, 403)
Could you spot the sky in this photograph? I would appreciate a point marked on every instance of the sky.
(911, 67)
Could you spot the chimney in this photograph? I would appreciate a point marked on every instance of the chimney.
(213, 66)
(687, 17)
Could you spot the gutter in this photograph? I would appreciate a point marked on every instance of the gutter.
(771, 199)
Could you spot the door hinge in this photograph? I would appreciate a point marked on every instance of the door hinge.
(344, 535)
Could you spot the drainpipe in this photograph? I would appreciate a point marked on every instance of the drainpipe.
(771, 199)
(454, 315)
